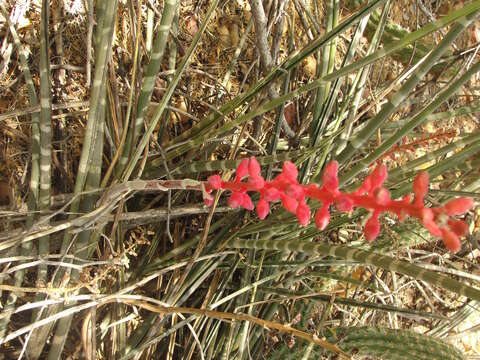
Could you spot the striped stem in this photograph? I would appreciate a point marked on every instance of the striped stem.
(365, 257)
(150, 76)
(35, 166)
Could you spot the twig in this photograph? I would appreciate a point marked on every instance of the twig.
(260, 21)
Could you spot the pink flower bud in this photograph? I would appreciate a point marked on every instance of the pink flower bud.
(322, 217)
(459, 227)
(208, 200)
(451, 240)
(257, 182)
(303, 213)
(254, 167)
(372, 227)
(215, 181)
(290, 171)
(378, 177)
(458, 206)
(420, 187)
(428, 221)
(295, 191)
(263, 208)
(365, 187)
(382, 196)
(242, 170)
(330, 177)
(272, 194)
(289, 203)
(235, 200)
(344, 204)
(247, 202)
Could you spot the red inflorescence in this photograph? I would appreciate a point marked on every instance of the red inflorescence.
(371, 195)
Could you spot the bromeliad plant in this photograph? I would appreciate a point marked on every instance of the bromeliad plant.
(371, 195)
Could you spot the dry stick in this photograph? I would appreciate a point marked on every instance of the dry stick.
(106, 204)
(278, 32)
(260, 22)
(237, 317)
(36, 109)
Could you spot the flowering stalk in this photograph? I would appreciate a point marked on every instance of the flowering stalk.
(371, 195)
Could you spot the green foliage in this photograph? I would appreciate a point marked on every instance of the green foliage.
(229, 261)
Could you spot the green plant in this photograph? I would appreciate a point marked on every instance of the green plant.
(113, 265)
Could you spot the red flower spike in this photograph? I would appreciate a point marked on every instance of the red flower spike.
(372, 227)
(215, 181)
(254, 167)
(451, 240)
(371, 196)
(242, 170)
(378, 177)
(420, 187)
(459, 227)
(290, 171)
(289, 203)
(303, 213)
(322, 217)
(330, 177)
(235, 200)
(344, 204)
(263, 208)
(458, 206)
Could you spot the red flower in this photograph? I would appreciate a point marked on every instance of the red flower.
(254, 167)
(372, 227)
(378, 177)
(451, 240)
(322, 217)
(458, 206)
(458, 227)
(290, 171)
(303, 213)
(295, 191)
(262, 209)
(272, 194)
(344, 204)
(215, 181)
(289, 203)
(420, 187)
(242, 170)
(236, 200)
(330, 177)
(382, 196)
(257, 182)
